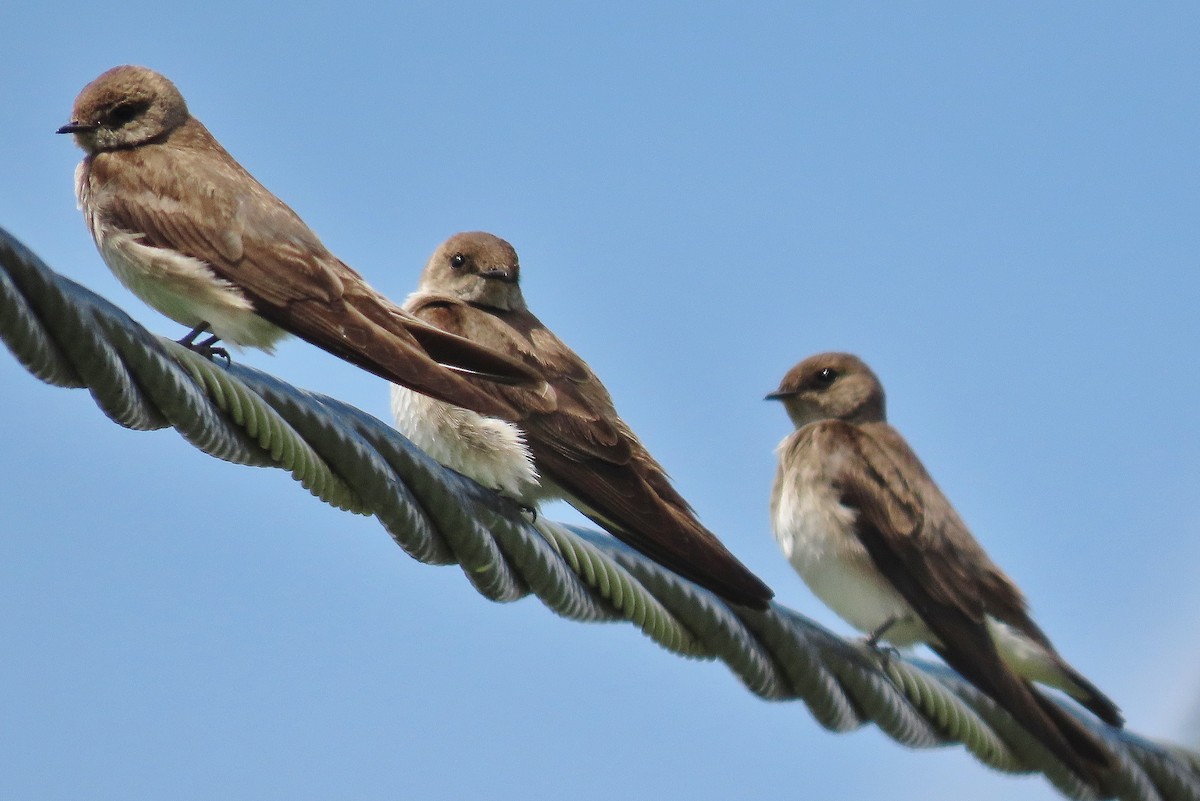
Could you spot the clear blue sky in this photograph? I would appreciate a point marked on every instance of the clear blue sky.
(995, 206)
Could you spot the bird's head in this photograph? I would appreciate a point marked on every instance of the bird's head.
(476, 267)
(831, 386)
(125, 107)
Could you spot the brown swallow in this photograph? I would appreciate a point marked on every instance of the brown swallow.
(567, 441)
(193, 234)
(871, 534)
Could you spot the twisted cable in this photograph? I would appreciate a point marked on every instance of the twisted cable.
(67, 336)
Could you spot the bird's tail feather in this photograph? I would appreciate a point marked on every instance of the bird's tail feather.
(1091, 698)
(1059, 731)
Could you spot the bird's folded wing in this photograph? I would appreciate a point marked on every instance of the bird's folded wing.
(251, 239)
(909, 531)
(583, 447)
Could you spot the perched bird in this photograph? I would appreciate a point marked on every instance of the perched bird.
(871, 534)
(566, 440)
(195, 236)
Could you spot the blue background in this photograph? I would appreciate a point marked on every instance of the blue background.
(996, 206)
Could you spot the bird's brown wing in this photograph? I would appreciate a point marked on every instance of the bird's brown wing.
(212, 210)
(922, 548)
(582, 446)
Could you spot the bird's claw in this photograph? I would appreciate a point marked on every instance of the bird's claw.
(208, 348)
(885, 652)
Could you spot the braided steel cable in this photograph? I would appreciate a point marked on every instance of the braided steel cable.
(69, 337)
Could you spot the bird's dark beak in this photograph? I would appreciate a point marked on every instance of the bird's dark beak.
(77, 127)
(779, 395)
(499, 275)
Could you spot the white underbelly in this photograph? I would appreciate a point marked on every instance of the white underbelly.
(187, 291)
(815, 532)
(183, 288)
(491, 451)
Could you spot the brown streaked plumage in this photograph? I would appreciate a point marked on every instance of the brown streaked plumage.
(872, 535)
(195, 236)
(567, 440)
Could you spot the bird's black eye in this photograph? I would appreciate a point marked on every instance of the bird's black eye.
(458, 261)
(125, 112)
(827, 376)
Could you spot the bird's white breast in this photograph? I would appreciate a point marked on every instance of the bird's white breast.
(491, 451)
(816, 533)
(181, 287)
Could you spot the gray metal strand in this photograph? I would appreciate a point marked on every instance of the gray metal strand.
(454, 503)
(798, 646)
(454, 517)
(172, 391)
(267, 428)
(603, 599)
(441, 495)
(953, 717)
(541, 566)
(338, 441)
(28, 340)
(1185, 756)
(538, 561)
(1130, 781)
(78, 325)
(882, 700)
(871, 695)
(1173, 774)
(165, 382)
(710, 620)
(67, 336)
(68, 324)
(627, 598)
